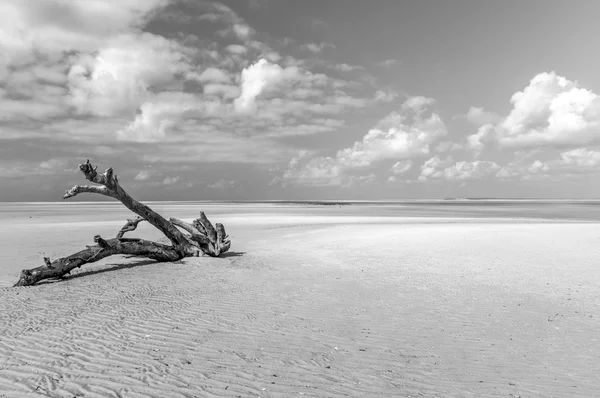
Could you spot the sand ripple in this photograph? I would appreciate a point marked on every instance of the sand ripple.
(412, 311)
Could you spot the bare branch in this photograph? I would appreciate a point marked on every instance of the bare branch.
(112, 188)
(185, 226)
(129, 226)
(62, 266)
(77, 189)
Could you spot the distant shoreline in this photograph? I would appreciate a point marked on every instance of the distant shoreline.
(327, 202)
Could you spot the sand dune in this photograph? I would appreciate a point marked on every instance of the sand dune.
(329, 309)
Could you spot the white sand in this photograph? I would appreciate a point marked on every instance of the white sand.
(314, 307)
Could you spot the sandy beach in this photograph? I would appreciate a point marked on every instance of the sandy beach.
(313, 301)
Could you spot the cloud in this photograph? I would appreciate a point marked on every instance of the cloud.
(222, 184)
(401, 135)
(214, 75)
(171, 180)
(570, 164)
(432, 168)
(448, 146)
(257, 78)
(236, 49)
(436, 168)
(388, 63)
(471, 170)
(484, 137)
(143, 175)
(317, 47)
(479, 116)
(74, 73)
(347, 67)
(401, 167)
(242, 31)
(54, 165)
(387, 95)
(96, 51)
(160, 114)
(551, 111)
(124, 72)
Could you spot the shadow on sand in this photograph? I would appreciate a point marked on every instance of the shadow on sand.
(232, 254)
(116, 267)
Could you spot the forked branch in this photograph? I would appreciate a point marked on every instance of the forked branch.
(110, 187)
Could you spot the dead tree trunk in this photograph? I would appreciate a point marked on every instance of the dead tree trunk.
(202, 235)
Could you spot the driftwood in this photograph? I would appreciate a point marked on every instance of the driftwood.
(200, 236)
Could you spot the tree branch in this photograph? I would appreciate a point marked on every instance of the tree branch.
(129, 226)
(104, 248)
(112, 188)
(77, 189)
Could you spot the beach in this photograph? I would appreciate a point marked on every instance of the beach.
(312, 300)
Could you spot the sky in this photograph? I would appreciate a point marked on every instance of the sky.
(299, 100)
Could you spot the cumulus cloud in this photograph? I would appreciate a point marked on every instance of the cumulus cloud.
(437, 168)
(471, 170)
(551, 111)
(95, 49)
(158, 115)
(432, 168)
(572, 163)
(401, 135)
(484, 137)
(257, 78)
(120, 77)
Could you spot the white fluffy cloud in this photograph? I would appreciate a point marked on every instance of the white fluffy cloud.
(402, 135)
(436, 168)
(46, 28)
(573, 163)
(90, 57)
(471, 170)
(124, 72)
(163, 112)
(258, 78)
(551, 111)
(432, 168)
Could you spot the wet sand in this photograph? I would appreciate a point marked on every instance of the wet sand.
(316, 301)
